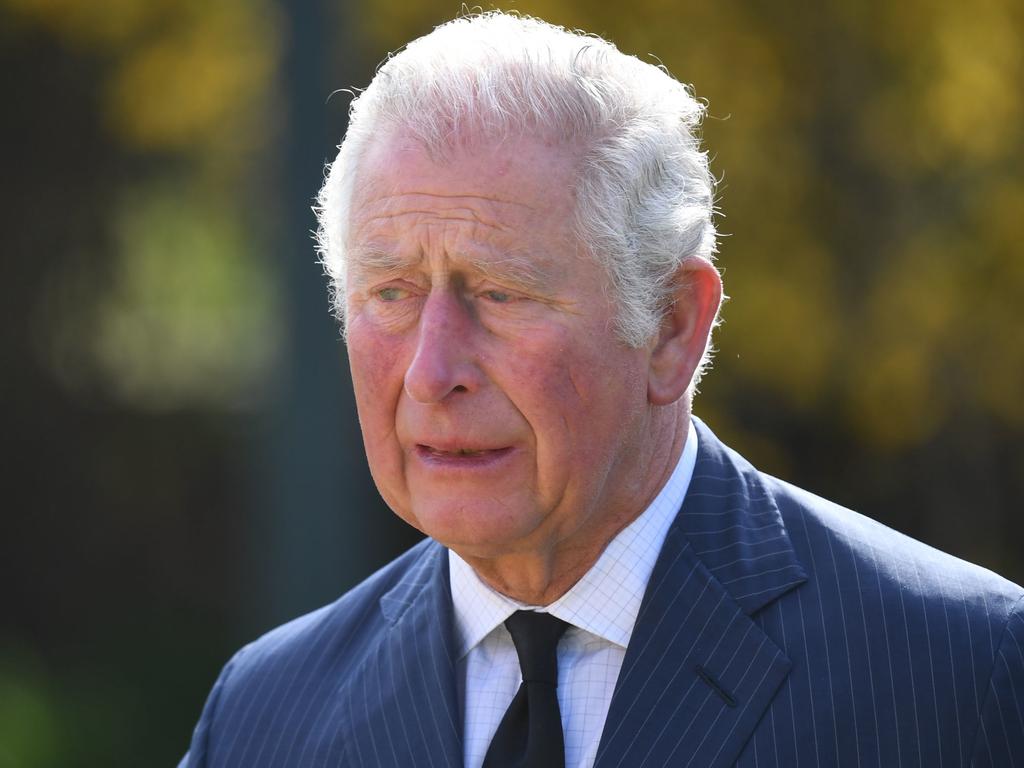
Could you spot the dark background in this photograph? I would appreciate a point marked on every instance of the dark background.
(182, 467)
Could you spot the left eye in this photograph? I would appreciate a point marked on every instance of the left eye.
(498, 297)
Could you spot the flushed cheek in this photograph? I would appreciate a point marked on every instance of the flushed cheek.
(575, 402)
(567, 374)
(556, 410)
(377, 377)
(373, 353)
(376, 362)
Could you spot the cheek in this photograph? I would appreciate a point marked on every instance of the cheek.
(375, 360)
(562, 390)
(585, 403)
(585, 378)
(377, 379)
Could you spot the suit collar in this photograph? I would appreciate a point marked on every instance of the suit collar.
(699, 673)
(735, 528)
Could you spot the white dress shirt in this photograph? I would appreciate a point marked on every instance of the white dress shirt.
(601, 609)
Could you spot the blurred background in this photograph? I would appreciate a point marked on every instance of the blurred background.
(182, 465)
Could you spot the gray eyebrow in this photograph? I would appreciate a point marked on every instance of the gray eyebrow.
(519, 269)
(377, 259)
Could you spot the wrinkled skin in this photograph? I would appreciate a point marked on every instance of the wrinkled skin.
(501, 414)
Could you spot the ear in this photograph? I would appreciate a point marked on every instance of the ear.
(684, 331)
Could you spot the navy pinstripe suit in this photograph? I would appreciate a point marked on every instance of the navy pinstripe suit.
(777, 630)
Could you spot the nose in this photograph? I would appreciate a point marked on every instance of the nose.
(443, 363)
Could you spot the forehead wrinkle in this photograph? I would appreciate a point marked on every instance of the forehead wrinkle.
(467, 215)
(454, 207)
(460, 196)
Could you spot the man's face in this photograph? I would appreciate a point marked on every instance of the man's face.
(499, 411)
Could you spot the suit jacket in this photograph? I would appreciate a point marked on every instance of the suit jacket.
(778, 629)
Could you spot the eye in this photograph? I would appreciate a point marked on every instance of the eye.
(498, 297)
(391, 293)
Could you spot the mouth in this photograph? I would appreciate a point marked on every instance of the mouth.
(460, 456)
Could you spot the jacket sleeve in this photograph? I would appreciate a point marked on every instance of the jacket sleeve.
(999, 740)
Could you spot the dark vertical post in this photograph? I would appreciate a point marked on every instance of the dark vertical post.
(314, 496)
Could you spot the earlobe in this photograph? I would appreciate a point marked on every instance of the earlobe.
(684, 333)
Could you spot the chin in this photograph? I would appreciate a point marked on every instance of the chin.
(484, 529)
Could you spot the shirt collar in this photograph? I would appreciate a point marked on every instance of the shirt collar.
(606, 600)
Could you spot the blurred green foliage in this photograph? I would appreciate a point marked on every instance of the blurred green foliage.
(29, 724)
(187, 312)
(184, 312)
(871, 159)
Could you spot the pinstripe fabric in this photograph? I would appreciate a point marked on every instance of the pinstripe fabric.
(777, 630)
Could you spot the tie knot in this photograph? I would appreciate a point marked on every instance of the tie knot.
(536, 637)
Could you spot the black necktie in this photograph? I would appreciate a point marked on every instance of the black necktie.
(530, 733)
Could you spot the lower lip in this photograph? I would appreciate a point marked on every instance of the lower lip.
(470, 461)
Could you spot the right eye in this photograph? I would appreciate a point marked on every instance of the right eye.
(391, 293)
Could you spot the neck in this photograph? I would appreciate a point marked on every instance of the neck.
(541, 576)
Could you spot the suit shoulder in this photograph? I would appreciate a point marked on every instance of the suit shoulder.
(283, 683)
(841, 544)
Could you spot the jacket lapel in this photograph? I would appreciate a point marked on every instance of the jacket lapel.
(699, 672)
(401, 705)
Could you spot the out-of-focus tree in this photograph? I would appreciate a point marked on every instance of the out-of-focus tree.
(177, 307)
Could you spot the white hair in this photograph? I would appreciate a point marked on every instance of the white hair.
(645, 194)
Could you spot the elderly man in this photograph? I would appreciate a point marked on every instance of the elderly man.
(519, 232)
